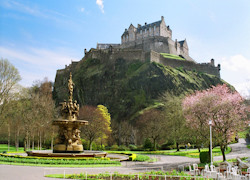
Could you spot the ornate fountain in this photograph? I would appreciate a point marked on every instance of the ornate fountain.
(69, 140)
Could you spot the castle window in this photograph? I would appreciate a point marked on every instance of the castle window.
(154, 28)
(141, 31)
(145, 30)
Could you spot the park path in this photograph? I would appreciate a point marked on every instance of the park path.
(10, 172)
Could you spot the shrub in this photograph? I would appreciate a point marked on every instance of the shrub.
(168, 145)
(132, 147)
(204, 157)
(147, 144)
(114, 147)
(122, 148)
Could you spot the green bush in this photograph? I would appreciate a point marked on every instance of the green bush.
(204, 157)
(122, 148)
(132, 147)
(56, 161)
(147, 144)
(114, 147)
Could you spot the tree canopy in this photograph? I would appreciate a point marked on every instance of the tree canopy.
(99, 123)
(221, 105)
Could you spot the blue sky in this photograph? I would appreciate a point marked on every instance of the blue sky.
(39, 37)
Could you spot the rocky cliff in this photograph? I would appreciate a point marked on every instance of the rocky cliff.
(127, 87)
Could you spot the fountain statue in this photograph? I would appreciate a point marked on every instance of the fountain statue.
(69, 140)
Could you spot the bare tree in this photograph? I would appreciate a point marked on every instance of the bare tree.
(9, 76)
(151, 124)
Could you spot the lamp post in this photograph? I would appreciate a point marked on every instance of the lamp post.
(211, 154)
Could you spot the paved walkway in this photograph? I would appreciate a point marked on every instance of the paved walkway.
(10, 172)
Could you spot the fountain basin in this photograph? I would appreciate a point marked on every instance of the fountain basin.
(49, 153)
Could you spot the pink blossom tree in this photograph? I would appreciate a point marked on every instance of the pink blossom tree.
(219, 104)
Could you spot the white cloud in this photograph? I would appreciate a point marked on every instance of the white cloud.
(100, 4)
(243, 88)
(236, 70)
(37, 63)
(33, 10)
(236, 63)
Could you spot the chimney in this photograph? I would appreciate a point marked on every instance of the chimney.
(138, 26)
(162, 18)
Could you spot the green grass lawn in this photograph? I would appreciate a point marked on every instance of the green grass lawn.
(12, 149)
(146, 175)
(194, 153)
(243, 134)
(60, 165)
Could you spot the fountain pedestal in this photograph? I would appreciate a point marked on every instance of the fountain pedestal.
(69, 140)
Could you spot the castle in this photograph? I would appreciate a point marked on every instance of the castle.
(152, 42)
(155, 36)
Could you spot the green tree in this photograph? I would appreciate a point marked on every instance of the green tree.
(175, 121)
(98, 127)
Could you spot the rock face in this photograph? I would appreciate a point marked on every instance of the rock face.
(127, 87)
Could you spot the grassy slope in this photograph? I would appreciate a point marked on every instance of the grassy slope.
(127, 87)
(172, 56)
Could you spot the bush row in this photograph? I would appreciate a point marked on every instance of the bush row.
(57, 161)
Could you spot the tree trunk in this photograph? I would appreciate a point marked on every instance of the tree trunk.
(199, 149)
(222, 148)
(52, 139)
(8, 137)
(40, 134)
(38, 143)
(33, 141)
(24, 144)
(90, 145)
(17, 139)
(29, 141)
(119, 135)
(26, 140)
(154, 144)
(177, 146)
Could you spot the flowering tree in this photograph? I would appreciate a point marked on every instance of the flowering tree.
(219, 104)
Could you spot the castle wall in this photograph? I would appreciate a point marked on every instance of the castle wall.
(159, 44)
(188, 65)
(127, 54)
(152, 56)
